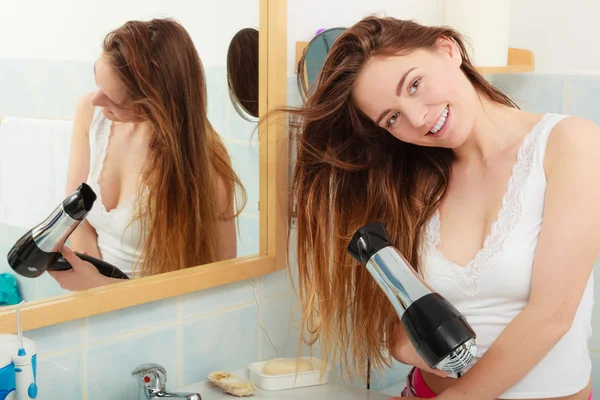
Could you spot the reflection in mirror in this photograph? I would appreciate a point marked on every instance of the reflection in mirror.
(139, 113)
(242, 73)
(312, 61)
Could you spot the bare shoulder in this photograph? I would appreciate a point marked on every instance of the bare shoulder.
(84, 111)
(222, 199)
(574, 139)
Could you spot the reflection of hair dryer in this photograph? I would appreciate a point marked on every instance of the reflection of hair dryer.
(440, 334)
(39, 249)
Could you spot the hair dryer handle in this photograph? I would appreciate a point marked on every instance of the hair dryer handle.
(103, 267)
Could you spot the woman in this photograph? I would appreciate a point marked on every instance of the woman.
(143, 142)
(496, 207)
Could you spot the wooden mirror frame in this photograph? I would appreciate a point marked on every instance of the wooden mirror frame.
(273, 170)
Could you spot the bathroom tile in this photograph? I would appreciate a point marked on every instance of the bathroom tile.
(293, 92)
(226, 341)
(130, 319)
(245, 161)
(48, 287)
(74, 78)
(595, 356)
(9, 235)
(533, 92)
(280, 318)
(57, 338)
(109, 363)
(15, 76)
(248, 240)
(216, 299)
(378, 381)
(583, 95)
(32, 82)
(238, 128)
(396, 374)
(217, 97)
(60, 376)
(275, 283)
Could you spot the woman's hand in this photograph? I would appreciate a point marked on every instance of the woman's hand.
(403, 351)
(82, 276)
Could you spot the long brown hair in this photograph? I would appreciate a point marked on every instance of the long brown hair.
(188, 161)
(349, 172)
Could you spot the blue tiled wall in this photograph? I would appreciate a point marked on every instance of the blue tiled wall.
(190, 335)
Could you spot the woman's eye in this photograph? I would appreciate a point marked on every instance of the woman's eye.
(413, 88)
(392, 120)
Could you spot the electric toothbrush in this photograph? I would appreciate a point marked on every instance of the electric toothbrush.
(26, 387)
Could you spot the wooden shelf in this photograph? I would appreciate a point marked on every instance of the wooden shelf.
(519, 60)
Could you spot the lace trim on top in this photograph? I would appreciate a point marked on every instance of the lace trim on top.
(121, 214)
(486, 260)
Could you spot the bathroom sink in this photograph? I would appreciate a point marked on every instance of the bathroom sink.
(331, 390)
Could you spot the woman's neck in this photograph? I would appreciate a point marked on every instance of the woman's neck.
(497, 128)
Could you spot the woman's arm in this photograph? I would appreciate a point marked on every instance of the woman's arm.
(227, 241)
(568, 245)
(403, 351)
(84, 238)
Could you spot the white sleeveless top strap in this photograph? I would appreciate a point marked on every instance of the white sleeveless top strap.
(120, 242)
(495, 285)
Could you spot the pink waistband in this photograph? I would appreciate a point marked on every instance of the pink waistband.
(416, 386)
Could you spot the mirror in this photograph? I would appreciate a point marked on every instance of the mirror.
(313, 58)
(242, 73)
(48, 65)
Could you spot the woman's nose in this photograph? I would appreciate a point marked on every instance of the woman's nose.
(96, 99)
(416, 113)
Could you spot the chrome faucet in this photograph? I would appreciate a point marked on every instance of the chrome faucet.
(152, 380)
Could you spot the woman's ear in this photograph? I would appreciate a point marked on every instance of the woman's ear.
(450, 49)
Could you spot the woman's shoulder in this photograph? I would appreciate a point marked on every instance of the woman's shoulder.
(572, 139)
(85, 110)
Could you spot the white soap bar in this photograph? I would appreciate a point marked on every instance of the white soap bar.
(281, 366)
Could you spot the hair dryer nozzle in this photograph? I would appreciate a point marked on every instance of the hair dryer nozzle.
(367, 241)
(79, 203)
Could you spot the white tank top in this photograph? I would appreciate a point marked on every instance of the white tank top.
(495, 286)
(119, 241)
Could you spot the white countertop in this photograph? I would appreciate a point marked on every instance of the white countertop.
(328, 391)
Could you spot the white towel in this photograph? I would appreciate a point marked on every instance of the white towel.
(34, 157)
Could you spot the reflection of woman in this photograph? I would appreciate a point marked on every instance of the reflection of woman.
(496, 207)
(162, 175)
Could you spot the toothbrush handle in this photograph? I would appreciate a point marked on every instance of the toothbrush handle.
(26, 387)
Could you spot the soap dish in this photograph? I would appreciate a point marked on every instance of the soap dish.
(291, 380)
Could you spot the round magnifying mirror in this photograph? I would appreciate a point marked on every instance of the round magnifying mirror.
(311, 63)
(242, 73)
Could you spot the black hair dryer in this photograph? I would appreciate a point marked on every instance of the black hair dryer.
(439, 333)
(39, 249)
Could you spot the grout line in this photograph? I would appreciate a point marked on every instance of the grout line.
(133, 333)
(258, 319)
(565, 95)
(235, 307)
(224, 310)
(42, 356)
